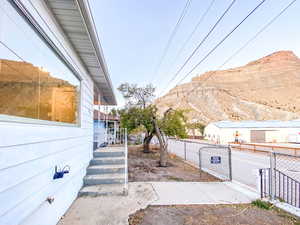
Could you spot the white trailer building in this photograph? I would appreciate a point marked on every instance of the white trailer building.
(224, 132)
(52, 71)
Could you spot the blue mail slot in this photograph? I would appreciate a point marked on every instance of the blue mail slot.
(215, 159)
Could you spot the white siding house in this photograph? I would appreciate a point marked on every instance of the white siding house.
(38, 130)
(224, 132)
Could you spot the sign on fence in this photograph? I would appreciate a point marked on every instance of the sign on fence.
(215, 159)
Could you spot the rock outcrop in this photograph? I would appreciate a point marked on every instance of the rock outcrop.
(31, 91)
(265, 89)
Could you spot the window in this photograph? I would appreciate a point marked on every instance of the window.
(34, 82)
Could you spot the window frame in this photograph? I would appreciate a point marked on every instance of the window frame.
(28, 18)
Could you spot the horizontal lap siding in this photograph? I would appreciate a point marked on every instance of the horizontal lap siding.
(28, 155)
(30, 152)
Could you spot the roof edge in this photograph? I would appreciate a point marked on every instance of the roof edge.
(85, 11)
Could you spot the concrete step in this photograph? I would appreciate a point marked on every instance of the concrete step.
(107, 161)
(109, 153)
(111, 149)
(102, 190)
(105, 169)
(104, 179)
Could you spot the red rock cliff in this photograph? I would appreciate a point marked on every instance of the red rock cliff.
(267, 88)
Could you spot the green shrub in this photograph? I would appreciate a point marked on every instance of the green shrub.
(262, 204)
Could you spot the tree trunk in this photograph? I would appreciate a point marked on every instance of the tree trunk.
(163, 146)
(146, 143)
(163, 157)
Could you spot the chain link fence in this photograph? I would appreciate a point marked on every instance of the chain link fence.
(213, 159)
(279, 173)
(287, 164)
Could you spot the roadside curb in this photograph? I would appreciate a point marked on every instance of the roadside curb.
(246, 190)
(286, 207)
(253, 194)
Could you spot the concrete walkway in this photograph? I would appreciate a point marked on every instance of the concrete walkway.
(186, 193)
(115, 210)
(109, 210)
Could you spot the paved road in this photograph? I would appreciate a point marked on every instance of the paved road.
(245, 166)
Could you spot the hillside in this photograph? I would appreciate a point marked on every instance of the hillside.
(29, 91)
(264, 89)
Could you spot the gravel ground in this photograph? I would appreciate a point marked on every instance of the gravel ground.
(145, 167)
(245, 214)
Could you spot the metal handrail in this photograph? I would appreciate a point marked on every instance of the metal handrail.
(264, 184)
(280, 186)
(283, 174)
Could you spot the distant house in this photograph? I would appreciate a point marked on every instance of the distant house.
(224, 132)
(52, 72)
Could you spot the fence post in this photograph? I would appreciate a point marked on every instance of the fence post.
(199, 155)
(271, 175)
(230, 163)
(299, 196)
(261, 182)
(126, 163)
(184, 150)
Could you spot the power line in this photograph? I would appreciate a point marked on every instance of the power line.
(191, 35)
(166, 49)
(252, 39)
(226, 36)
(12, 51)
(202, 41)
(244, 46)
(259, 32)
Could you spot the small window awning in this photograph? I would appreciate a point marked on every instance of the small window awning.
(75, 18)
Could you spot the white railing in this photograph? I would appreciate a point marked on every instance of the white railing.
(115, 136)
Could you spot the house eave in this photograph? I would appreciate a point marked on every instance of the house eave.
(76, 21)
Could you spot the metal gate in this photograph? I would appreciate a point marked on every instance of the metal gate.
(216, 160)
(213, 159)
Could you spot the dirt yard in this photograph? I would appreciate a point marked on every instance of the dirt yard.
(145, 167)
(245, 214)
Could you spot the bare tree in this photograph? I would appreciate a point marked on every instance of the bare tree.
(140, 111)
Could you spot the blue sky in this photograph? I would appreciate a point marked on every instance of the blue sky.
(134, 33)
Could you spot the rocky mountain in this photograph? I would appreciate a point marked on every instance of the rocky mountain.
(29, 91)
(264, 89)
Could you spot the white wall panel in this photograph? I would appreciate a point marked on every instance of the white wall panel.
(29, 152)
